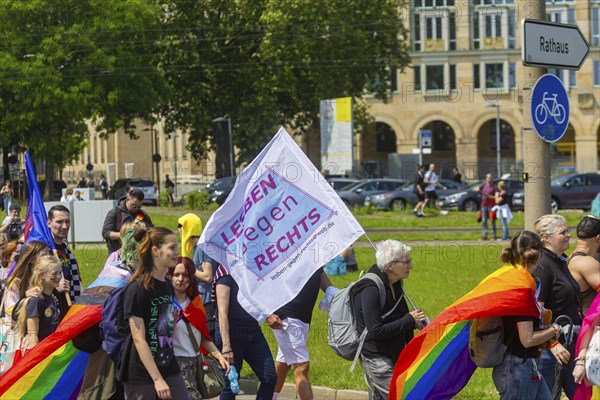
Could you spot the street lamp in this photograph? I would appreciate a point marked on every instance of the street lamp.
(497, 107)
(228, 119)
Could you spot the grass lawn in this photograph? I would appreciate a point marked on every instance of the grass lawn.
(442, 273)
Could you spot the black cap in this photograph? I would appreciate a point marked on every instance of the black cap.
(588, 228)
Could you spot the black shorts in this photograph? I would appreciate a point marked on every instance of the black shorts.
(420, 196)
(432, 195)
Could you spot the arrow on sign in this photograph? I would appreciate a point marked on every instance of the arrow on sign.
(552, 45)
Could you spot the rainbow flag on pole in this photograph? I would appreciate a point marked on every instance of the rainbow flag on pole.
(54, 368)
(436, 363)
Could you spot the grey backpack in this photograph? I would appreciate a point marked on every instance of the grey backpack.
(342, 336)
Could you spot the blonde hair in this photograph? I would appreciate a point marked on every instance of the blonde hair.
(501, 185)
(548, 224)
(43, 266)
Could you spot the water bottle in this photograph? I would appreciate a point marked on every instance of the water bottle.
(233, 376)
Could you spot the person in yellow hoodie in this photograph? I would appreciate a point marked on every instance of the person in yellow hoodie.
(190, 227)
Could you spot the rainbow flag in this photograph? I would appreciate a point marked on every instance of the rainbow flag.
(54, 368)
(436, 363)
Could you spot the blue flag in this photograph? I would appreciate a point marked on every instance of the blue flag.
(36, 220)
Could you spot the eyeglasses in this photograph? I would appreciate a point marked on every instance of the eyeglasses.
(135, 206)
(565, 232)
(409, 261)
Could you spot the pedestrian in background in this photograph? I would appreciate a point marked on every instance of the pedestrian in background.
(488, 201)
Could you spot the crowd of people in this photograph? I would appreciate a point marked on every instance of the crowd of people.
(177, 303)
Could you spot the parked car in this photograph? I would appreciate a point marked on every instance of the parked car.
(339, 183)
(355, 193)
(123, 186)
(405, 196)
(470, 200)
(220, 189)
(567, 191)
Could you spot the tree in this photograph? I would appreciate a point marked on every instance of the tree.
(269, 63)
(66, 62)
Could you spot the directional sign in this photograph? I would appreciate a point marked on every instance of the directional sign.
(552, 45)
(550, 108)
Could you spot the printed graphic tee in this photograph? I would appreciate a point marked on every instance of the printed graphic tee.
(155, 307)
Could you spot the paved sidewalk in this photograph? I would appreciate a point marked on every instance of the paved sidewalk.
(249, 388)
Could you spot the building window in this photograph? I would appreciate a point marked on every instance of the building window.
(554, 16)
(417, 77)
(434, 75)
(512, 76)
(476, 78)
(394, 79)
(493, 27)
(434, 25)
(476, 42)
(452, 77)
(493, 2)
(452, 31)
(559, 73)
(494, 76)
(571, 16)
(572, 78)
(417, 32)
(596, 26)
(512, 41)
(596, 72)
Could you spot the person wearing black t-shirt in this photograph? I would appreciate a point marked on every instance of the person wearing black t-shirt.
(240, 338)
(518, 377)
(419, 189)
(148, 367)
(559, 293)
(290, 325)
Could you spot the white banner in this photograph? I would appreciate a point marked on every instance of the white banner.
(336, 135)
(281, 222)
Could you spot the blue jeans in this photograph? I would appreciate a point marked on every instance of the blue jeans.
(505, 234)
(249, 344)
(548, 368)
(515, 379)
(485, 215)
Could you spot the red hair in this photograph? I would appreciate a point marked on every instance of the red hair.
(190, 270)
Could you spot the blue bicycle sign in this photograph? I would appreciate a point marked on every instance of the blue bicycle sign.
(550, 108)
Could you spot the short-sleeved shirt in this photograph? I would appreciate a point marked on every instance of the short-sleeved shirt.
(204, 289)
(486, 191)
(156, 308)
(432, 177)
(559, 291)
(237, 316)
(46, 309)
(512, 340)
(301, 306)
(419, 182)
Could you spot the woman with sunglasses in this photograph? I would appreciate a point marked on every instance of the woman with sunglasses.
(559, 292)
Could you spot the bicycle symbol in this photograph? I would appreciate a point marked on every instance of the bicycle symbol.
(550, 106)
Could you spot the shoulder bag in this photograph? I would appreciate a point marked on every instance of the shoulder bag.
(209, 376)
(592, 360)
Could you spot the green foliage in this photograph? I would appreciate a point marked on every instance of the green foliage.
(66, 62)
(164, 200)
(269, 63)
(197, 200)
